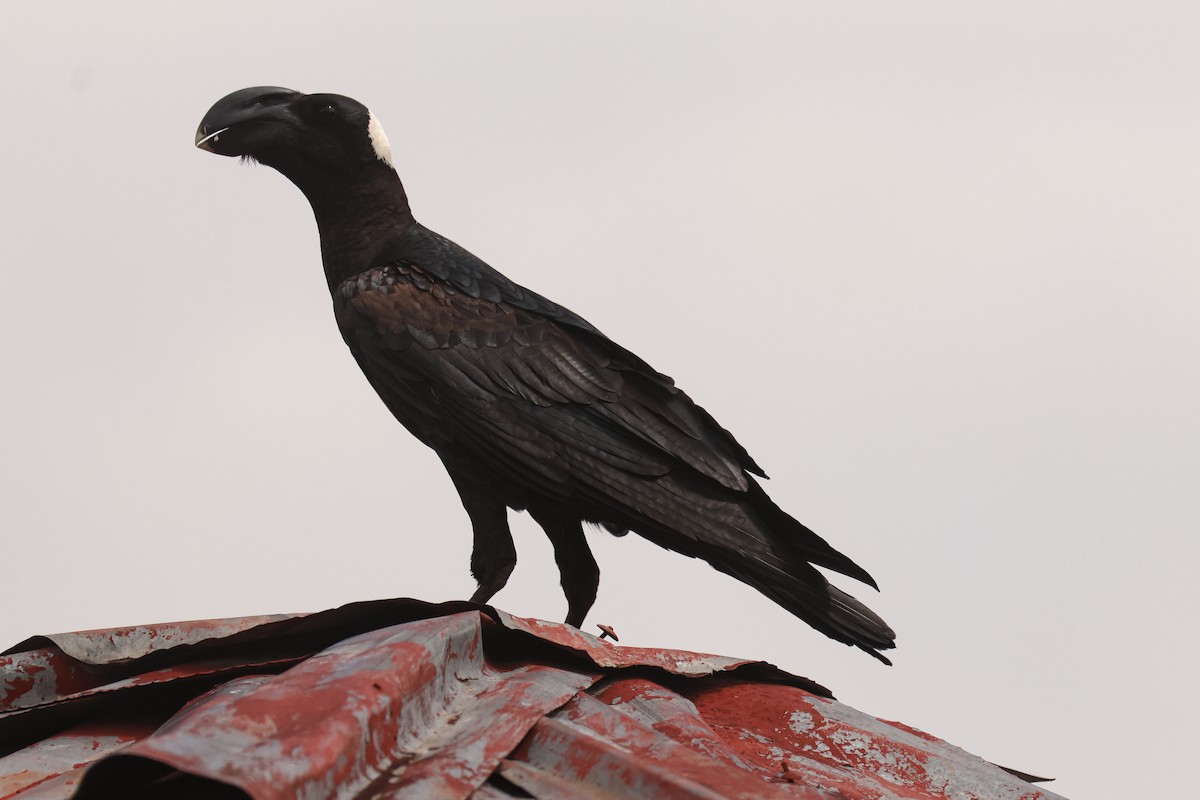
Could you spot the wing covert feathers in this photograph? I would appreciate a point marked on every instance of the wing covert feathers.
(502, 381)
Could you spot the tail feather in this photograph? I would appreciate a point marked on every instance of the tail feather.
(869, 631)
(796, 538)
(751, 539)
(807, 594)
(781, 566)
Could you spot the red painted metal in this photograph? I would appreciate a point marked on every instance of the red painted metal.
(359, 714)
(113, 645)
(400, 698)
(40, 676)
(53, 767)
(606, 654)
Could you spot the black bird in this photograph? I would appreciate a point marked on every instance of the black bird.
(528, 405)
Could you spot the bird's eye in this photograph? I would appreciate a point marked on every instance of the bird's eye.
(327, 113)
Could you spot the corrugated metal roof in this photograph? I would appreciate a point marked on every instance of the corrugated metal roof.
(402, 698)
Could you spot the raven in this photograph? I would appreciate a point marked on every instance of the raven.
(527, 404)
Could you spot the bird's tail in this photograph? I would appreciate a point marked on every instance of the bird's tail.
(866, 629)
(797, 540)
(786, 575)
(745, 535)
(805, 592)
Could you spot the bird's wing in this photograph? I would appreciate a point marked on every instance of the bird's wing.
(521, 389)
(449, 263)
(565, 414)
(443, 260)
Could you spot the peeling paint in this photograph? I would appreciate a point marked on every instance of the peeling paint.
(395, 699)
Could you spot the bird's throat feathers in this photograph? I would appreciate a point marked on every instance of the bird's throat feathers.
(352, 242)
(360, 218)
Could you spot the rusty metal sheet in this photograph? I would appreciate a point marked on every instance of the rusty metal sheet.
(671, 715)
(610, 656)
(410, 708)
(607, 655)
(64, 667)
(637, 738)
(822, 743)
(123, 644)
(166, 643)
(48, 693)
(53, 767)
(35, 677)
(402, 698)
(594, 748)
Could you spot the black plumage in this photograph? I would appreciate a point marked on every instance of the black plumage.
(528, 405)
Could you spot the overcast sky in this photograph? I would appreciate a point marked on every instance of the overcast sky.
(935, 264)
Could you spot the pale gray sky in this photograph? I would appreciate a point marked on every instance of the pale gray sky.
(935, 265)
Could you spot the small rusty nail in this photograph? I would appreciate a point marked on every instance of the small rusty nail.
(606, 631)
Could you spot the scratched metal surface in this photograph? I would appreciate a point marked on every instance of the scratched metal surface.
(401, 698)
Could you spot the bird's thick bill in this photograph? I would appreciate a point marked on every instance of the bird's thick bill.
(247, 120)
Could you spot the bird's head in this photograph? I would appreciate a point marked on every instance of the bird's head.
(310, 138)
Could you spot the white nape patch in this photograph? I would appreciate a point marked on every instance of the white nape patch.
(379, 141)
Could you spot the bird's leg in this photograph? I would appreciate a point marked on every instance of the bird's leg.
(494, 555)
(576, 566)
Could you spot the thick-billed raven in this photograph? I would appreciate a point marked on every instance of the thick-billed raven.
(528, 405)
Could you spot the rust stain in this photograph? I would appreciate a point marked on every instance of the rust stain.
(400, 698)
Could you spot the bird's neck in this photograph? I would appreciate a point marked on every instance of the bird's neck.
(358, 222)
